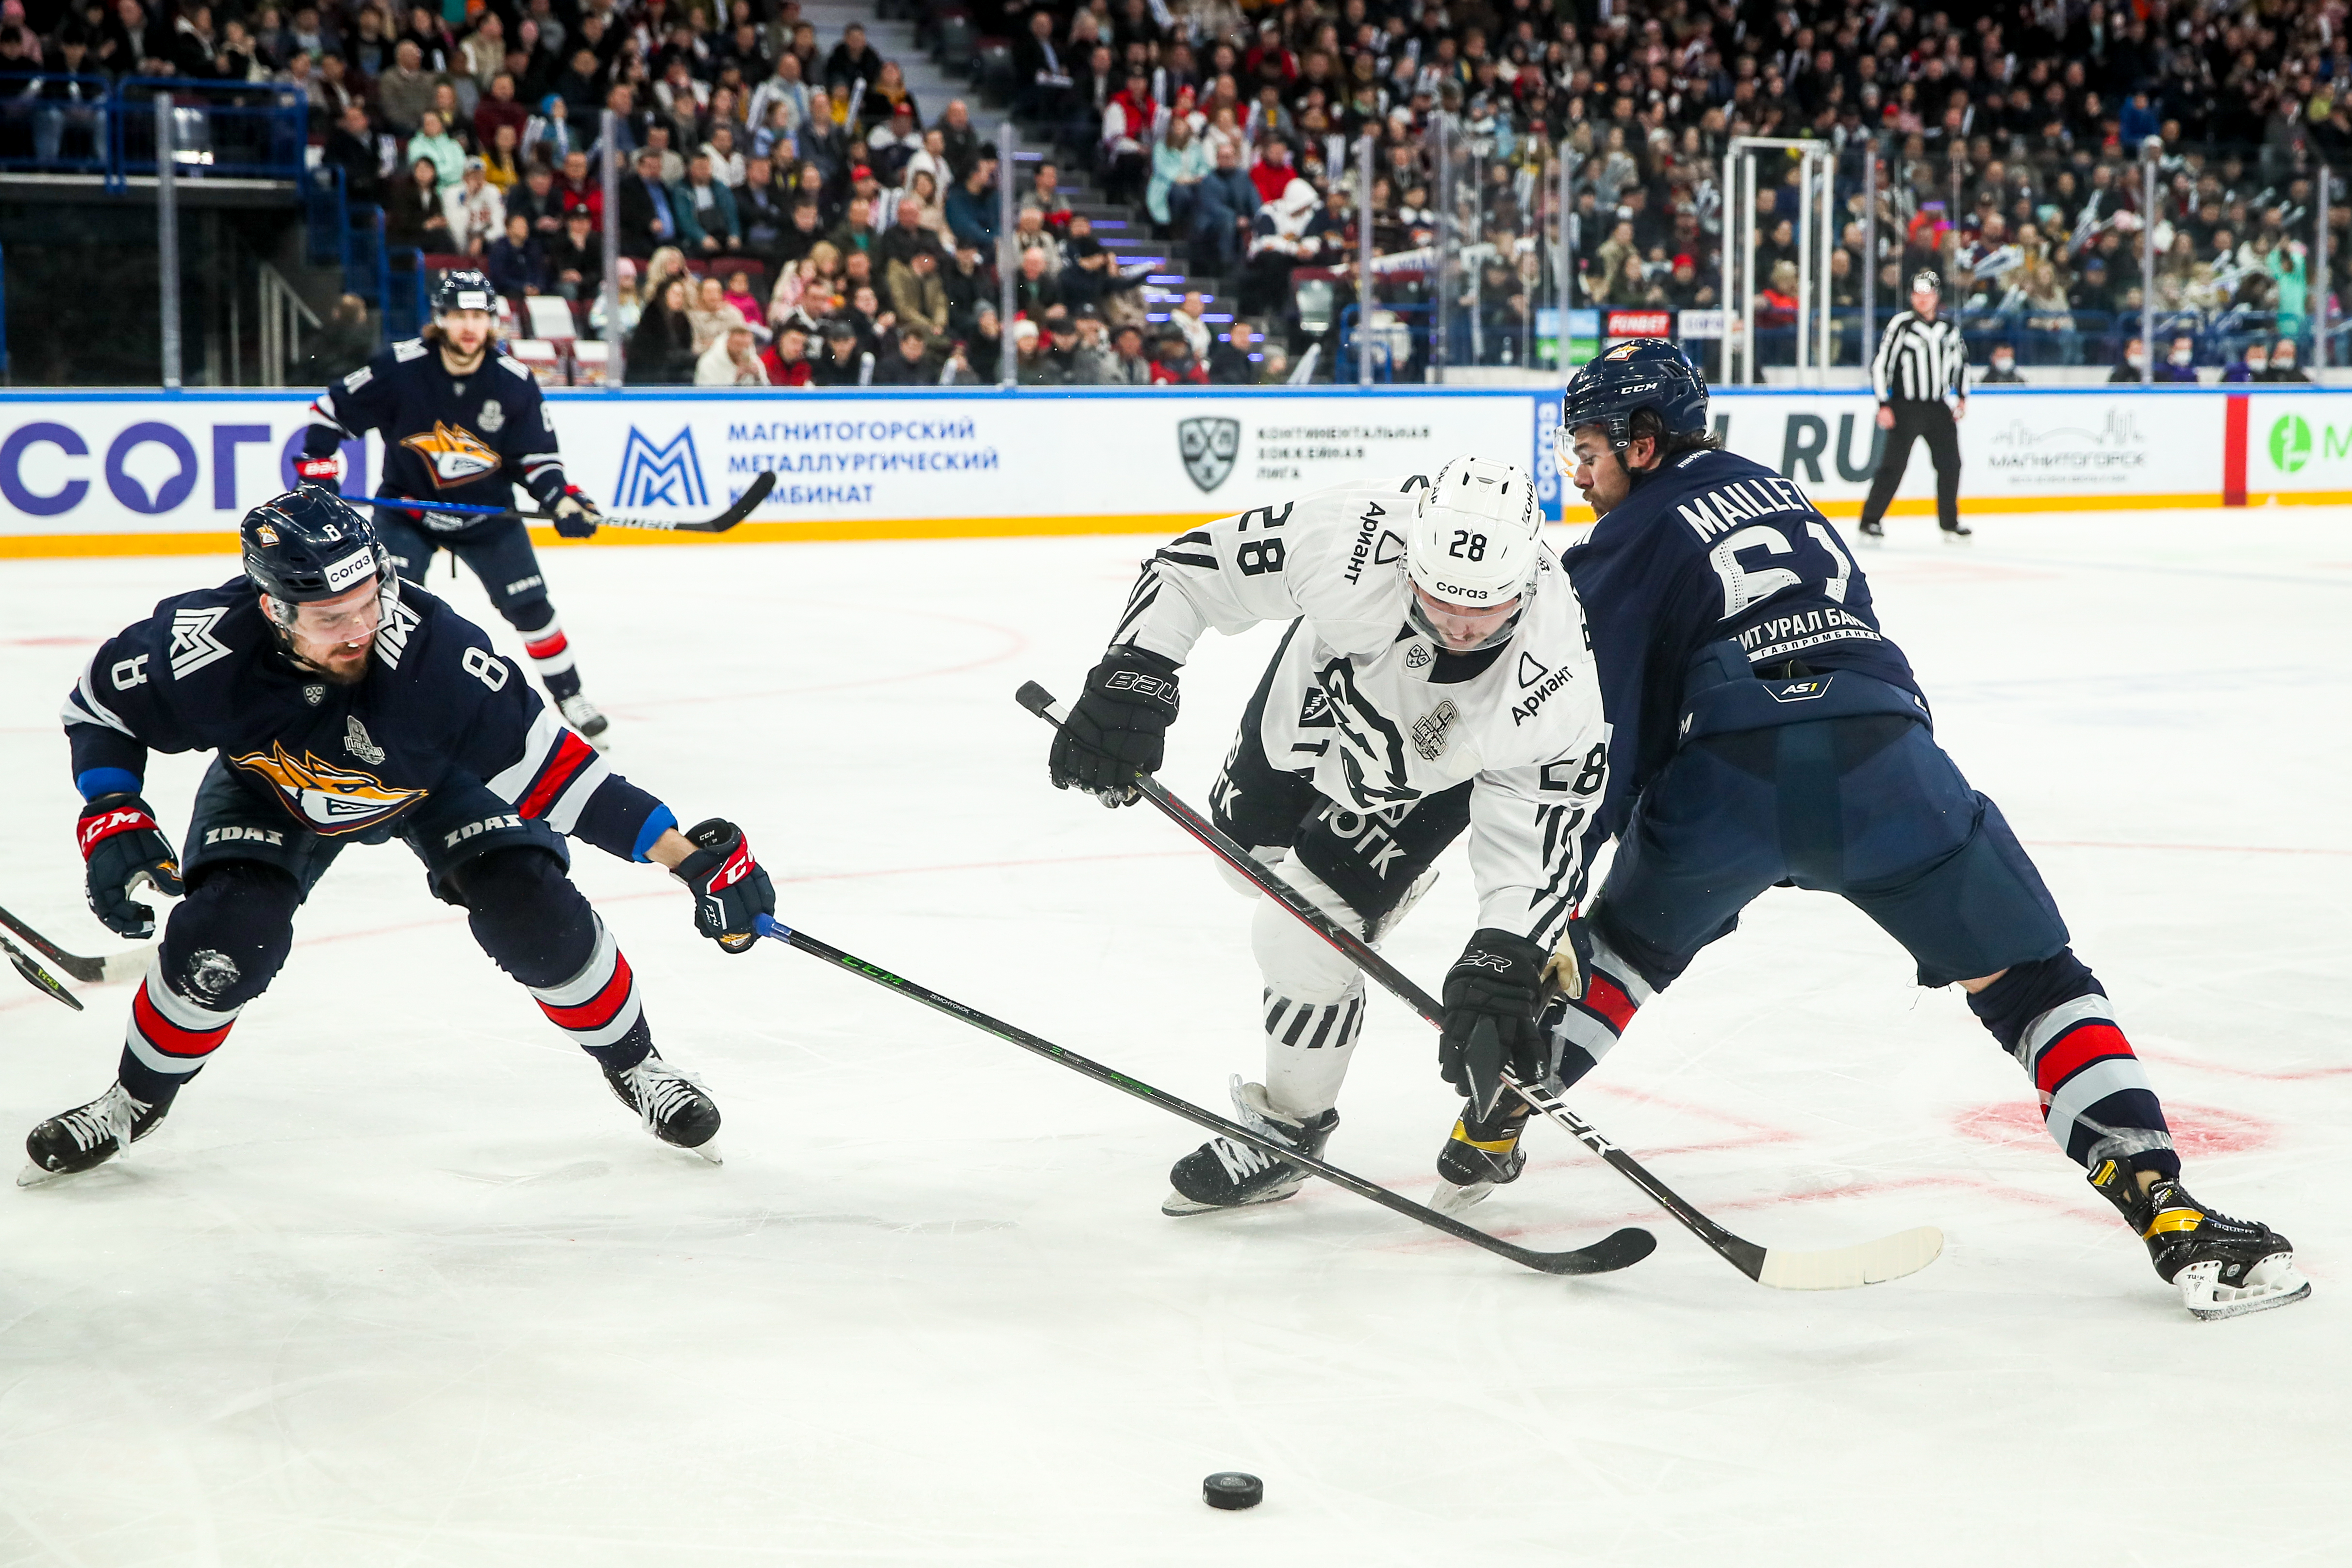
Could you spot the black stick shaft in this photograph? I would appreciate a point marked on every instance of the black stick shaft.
(1745, 1256)
(1546, 1262)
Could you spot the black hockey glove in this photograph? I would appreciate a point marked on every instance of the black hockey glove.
(1491, 995)
(576, 514)
(1119, 727)
(121, 848)
(730, 890)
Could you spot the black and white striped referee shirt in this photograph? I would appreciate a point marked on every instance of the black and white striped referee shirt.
(1920, 361)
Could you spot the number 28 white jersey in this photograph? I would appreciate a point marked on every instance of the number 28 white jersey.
(1362, 699)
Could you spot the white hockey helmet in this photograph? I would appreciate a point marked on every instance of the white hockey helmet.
(1473, 545)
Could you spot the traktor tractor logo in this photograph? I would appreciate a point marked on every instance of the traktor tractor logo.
(2290, 444)
(1209, 446)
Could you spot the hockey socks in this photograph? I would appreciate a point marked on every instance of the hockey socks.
(2097, 1101)
(1588, 1028)
(221, 949)
(1309, 1046)
(598, 1008)
(551, 653)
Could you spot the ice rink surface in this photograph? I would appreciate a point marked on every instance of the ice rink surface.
(399, 1282)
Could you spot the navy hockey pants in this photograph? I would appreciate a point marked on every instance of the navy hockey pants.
(1869, 808)
(1866, 807)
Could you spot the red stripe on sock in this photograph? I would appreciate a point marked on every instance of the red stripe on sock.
(599, 1010)
(572, 754)
(1601, 996)
(168, 1036)
(547, 648)
(2075, 1049)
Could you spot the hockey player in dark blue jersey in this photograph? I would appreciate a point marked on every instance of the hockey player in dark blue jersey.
(463, 423)
(1765, 731)
(345, 708)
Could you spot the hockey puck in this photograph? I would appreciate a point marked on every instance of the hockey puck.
(1232, 1490)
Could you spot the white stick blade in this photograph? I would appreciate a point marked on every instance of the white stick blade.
(1846, 1268)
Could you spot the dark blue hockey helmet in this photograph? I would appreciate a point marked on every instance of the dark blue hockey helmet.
(309, 544)
(1642, 372)
(464, 289)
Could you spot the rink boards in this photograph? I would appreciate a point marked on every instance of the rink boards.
(169, 473)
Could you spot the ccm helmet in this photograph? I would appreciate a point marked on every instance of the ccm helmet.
(1644, 372)
(1474, 538)
(308, 545)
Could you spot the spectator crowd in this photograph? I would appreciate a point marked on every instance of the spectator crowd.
(789, 215)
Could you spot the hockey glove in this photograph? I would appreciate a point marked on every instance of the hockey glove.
(1491, 995)
(326, 471)
(576, 514)
(121, 849)
(730, 889)
(1571, 963)
(1119, 727)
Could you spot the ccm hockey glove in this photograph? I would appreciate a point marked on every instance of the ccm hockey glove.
(121, 848)
(1497, 982)
(730, 889)
(1119, 727)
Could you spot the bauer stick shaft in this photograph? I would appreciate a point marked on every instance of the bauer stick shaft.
(1619, 1249)
(1885, 1259)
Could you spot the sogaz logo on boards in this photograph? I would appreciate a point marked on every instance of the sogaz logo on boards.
(2290, 444)
(668, 474)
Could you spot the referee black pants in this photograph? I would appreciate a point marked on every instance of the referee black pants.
(1913, 421)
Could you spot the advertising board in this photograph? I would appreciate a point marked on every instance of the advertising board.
(152, 472)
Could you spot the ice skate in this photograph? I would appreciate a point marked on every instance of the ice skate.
(1957, 532)
(87, 1136)
(1871, 530)
(671, 1104)
(1479, 1158)
(1223, 1174)
(2225, 1268)
(583, 716)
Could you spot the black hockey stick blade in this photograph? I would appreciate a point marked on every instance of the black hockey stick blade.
(1619, 1249)
(89, 971)
(753, 493)
(40, 979)
(1888, 1258)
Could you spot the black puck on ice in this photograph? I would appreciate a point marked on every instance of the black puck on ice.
(1231, 1488)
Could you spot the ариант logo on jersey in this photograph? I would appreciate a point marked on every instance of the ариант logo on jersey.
(1209, 446)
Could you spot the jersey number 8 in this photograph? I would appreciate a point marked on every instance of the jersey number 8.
(1467, 546)
(1258, 557)
(485, 667)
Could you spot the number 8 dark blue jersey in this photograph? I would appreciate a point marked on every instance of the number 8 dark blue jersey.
(1710, 546)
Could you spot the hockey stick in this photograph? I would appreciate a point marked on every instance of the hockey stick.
(1619, 1249)
(127, 965)
(753, 493)
(40, 979)
(1888, 1258)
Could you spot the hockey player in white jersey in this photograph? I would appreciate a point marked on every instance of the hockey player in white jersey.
(1436, 676)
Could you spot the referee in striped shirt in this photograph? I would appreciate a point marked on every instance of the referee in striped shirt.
(1921, 363)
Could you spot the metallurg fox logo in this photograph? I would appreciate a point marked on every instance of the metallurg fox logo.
(329, 800)
(456, 454)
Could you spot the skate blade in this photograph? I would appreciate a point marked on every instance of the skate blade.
(1451, 1200)
(709, 1151)
(1177, 1205)
(2273, 1282)
(34, 1176)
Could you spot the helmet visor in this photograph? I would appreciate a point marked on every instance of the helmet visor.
(350, 617)
(1463, 628)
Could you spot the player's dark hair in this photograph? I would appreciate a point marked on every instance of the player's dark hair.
(1647, 421)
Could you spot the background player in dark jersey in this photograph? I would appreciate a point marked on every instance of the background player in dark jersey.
(1766, 732)
(464, 424)
(344, 709)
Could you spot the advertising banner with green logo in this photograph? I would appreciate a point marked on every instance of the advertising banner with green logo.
(2299, 445)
